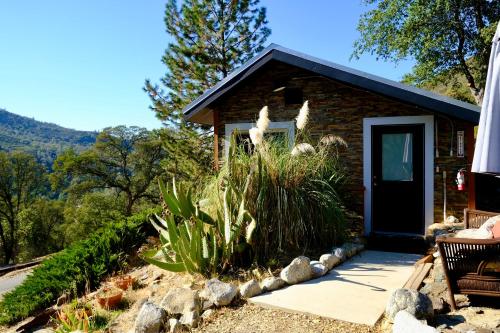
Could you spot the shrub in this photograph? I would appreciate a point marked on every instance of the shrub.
(293, 195)
(193, 241)
(79, 267)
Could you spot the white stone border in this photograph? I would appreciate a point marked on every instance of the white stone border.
(428, 122)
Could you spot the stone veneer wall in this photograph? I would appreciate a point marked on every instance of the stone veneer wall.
(339, 109)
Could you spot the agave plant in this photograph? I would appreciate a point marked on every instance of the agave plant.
(195, 242)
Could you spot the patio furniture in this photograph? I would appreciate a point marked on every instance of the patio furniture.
(471, 266)
(474, 218)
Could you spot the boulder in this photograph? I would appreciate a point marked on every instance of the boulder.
(190, 318)
(352, 249)
(181, 300)
(272, 283)
(318, 269)
(207, 314)
(299, 270)
(150, 318)
(414, 302)
(174, 325)
(218, 293)
(404, 322)
(329, 260)
(339, 253)
(250, 289)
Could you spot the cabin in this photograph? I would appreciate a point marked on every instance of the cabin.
(405, 145)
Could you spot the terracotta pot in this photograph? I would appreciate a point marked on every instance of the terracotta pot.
(109, 298)
(124, 282)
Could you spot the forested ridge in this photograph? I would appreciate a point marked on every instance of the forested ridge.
(41, 139)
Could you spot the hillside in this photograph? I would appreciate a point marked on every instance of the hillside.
(44, 140)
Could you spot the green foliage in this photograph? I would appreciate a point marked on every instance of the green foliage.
(192, 241)
(125, 159)
(80, 266)
(43, 140)
(294, 198)
(87, 213)
(41, 229)
(189, 154)
(69, 320)
(210, 39)
(22, 179)
(441, 36)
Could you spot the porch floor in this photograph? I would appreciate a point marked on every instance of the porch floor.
(356, 291)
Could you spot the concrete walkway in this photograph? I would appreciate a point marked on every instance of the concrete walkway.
(356, 291)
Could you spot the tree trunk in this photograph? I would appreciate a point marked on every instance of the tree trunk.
(478, 95)
(130, 204)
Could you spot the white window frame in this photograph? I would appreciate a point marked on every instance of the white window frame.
(275, 126)
(428, 122)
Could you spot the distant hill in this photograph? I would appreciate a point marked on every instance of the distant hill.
(44, 140)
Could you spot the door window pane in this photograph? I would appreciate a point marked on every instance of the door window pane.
(397, 157)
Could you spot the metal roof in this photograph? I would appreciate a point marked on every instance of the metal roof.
(376, 84)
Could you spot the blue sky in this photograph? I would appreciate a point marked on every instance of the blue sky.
(82, 64)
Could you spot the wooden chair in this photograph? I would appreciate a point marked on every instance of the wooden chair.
(471, 266)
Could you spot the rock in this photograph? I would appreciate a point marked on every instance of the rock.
(174, 325)
(437, 292)
(404, 322)
(414, 302)
(191, 319)
(157, 276)
(181, 300)
(438, 270)
(299, 270)
(218, 292)
(339, 253)
(250, 289)
(44, 330)
(352, 249)
(318, 269)
(150, 319)
(329, 260)
(207, 314)
(272, 283)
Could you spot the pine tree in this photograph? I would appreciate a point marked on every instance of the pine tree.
(210, 39)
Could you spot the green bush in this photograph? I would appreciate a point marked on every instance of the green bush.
(77, 268)
(294, 195)
(193, 241)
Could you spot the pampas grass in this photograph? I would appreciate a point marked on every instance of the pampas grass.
(294, 199)
(303, 116)
(263, 121)
(256, 135)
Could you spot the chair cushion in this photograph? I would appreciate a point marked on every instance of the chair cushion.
(496, 230)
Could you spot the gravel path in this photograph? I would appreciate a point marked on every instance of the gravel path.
(250, 318)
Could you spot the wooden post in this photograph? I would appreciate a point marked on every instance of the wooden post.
(470, 143)
(216, 139)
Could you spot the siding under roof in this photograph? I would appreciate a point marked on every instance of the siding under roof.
(197, 110)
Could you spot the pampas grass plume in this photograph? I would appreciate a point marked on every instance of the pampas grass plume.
(303, 115)
(303, 148)
(263, 122)
(256, 135)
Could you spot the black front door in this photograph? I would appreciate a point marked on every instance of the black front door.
(398, 178)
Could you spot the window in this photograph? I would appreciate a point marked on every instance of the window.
(293, 96)
(282, 130)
